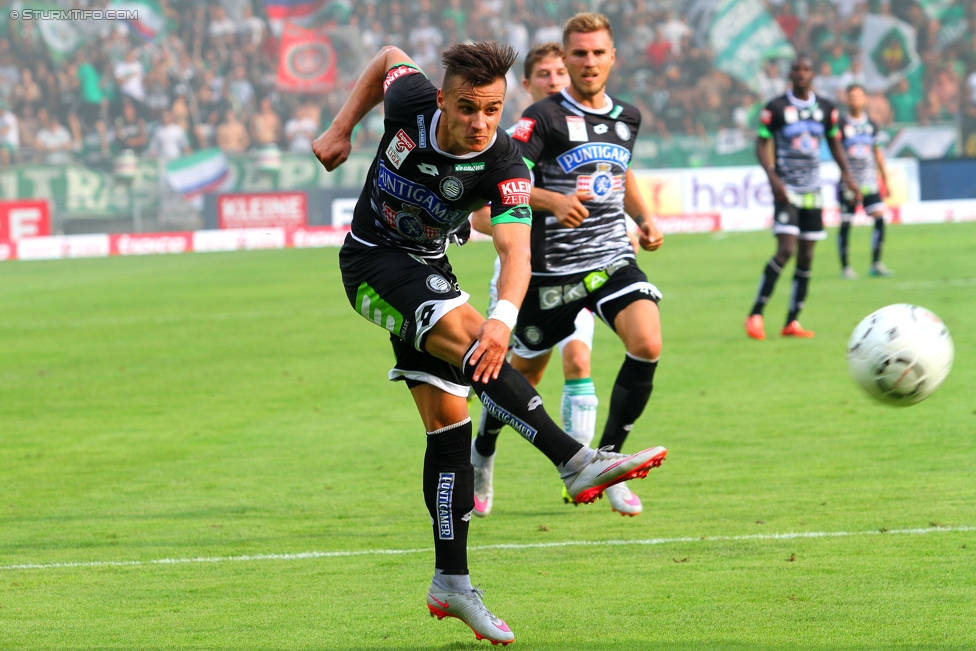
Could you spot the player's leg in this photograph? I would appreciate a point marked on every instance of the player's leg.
(489, 427)
(512, 399)
(786, 228)
(811, 231)
(874, 206)
(847, 209)
(579, 401)
(448, 481)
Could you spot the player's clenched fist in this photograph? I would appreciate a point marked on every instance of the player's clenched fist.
(569, 209)
(651, 238)
(332, 149)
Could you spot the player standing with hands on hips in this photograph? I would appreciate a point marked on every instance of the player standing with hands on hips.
(578, 143)
(795, 123)
(440, 158)
(859, 138)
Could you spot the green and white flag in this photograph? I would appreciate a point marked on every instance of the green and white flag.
(887, 51)
(147, 18)
(61, 37)
(742, 34)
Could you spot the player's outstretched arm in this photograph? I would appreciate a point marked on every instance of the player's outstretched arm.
(568, 209)
(651, 238)
(837, 151)
(512, 243)
(882, 176)
(333, 146)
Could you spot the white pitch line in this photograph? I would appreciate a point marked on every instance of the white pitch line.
(503, 546)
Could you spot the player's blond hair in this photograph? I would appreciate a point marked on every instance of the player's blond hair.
(540, 52)
(586, 23)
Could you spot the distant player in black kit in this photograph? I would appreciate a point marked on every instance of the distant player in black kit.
(579, 143)
(795, 123)
(440, 158)
(859, 138)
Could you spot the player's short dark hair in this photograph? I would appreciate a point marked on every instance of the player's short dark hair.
(540, 52)
(858, 86)
(586, 23)
(477, 64)
(801, 56)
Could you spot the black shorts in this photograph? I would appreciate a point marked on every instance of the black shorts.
(406, 295)
(871, 201)
(801, 215)
(548, 313)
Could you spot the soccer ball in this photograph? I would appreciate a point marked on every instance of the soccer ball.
(900, 354)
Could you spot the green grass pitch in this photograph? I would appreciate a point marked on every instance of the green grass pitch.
(231, 412)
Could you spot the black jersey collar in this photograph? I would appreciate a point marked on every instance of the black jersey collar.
(600, 111)
(433, 140)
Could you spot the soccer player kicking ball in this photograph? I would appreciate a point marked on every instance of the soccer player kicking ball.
(439, 159)
(795, 123)
(859, 138)
(545, 74)
(578, 143)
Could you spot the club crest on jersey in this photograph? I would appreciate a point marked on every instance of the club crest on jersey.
(594, 152)
(601, 183)
(600, 129)
(515, 192)
(577, 128)
(523, 130)
(622, 131)
(806, 143)
(849, 131)
(407, 222)
(790, 115)
(438, 284)
(399, 148)
(451, 188)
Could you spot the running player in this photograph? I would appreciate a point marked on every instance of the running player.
(859, 138)
(545, 74)
(795, 123)
(578, 143)
(440, 158)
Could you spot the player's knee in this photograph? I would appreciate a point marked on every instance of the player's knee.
(576, 362)
(649, 347)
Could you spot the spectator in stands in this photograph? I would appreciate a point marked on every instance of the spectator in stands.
(250, 29)
(130, 128)
(53, 142)
(232, 135)
(9, 135)
(265, 125)
(301, 130)
(944, 95)
(969, 115)
(879, 109)
(904, 102)
(787, 20)
(94, 87)
(674, 31)
(95, 147)
(710, 117)
(854, 74)
(771, 81)
(744, 114)
(169, 141)
(826, 84)
(424, 43)
(130, 76)
(837, 58)
(241, 88)
(27, 93)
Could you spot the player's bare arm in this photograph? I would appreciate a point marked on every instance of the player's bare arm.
(568, 209)
(481, 220)
(333, 146)
(882, 176)
(651, 238)
(513, 247)
(837, 151)
(765, 156)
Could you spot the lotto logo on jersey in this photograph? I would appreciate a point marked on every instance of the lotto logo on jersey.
(523, 130)
(400, 147)
(395, 73)
(515, 192)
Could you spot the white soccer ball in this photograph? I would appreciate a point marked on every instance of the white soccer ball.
(900, 354)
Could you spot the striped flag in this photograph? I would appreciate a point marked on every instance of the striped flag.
(150, 22)
(295, 11)
(201, 172)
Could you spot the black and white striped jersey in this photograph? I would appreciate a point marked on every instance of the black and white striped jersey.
(859, 137)
(797, 127)
(571, 148)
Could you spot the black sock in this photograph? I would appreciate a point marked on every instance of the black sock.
(877, 239)
(766, 285)
(801, 281)
(842, 240)
(630, 394)
(488, 430)
(512, 400)
(449, 494)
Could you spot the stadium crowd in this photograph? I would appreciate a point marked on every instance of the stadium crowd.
(210, 78)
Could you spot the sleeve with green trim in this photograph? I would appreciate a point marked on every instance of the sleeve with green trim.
(766, 118)
(831, 121)
(510, 189)
(406, 91)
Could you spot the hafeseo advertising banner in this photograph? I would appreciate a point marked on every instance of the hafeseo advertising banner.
(24, 218)
(289, 210)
